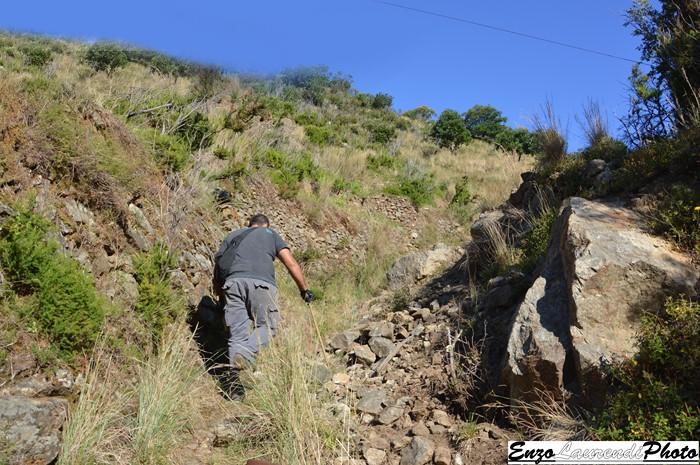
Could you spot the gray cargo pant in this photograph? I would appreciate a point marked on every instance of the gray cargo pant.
(252, 315)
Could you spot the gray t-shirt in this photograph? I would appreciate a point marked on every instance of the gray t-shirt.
(256, 254)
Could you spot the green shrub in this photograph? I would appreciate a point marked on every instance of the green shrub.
(644, 164)
(321, 135)
(607, 149)
(36, 55)
(157, 301)
(420, 190)
(106, 56)
(566, 176)
(65, 304)
(306, 119)
(381, 160)
(534, 243)
(678, 217)
(288, 171)
(169, 151)
(659, 396)
(382, 101)
(380, 132)
(422, 113)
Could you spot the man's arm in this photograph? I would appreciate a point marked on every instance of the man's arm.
(288, 260)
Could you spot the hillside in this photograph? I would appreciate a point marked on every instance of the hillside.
(120, 179)
(468, 292)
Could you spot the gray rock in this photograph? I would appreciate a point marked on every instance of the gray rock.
(382, 329)
(343, 340)
(411, 269)
(381, 346)
(419, 452)
(374, 402)
(363, 354)
(32, 428)
(390, 415)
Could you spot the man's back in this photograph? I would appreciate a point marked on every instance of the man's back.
(255, 255)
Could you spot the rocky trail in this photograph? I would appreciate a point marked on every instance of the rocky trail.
(401, 371)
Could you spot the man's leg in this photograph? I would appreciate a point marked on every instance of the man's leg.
(264, 311)
(237, 319)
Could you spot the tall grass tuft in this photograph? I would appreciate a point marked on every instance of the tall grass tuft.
(168, 395)
(284, 392)
(96, 426)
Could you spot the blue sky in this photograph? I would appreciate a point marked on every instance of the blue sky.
(441, 60)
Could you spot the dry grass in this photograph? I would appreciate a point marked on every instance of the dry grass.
(116, 422)
(96, 427)
(548, 419)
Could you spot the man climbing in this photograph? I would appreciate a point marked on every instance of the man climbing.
(249, 290)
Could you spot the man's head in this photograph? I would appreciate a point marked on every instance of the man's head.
(258, 220)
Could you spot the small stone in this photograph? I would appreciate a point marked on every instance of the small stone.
(390, 415)
(381, 346)
(364, 355)
(374, 456)
(343, 340)
(442, 456)
(441, 418)
(419, 452)
(419, 429)
(341, 378)
(373, 403)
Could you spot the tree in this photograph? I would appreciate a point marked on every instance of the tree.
(382, 101)
(106, 56)
(449, 130)
(484, 122)
(671, 42)
(521, 140)
(422, 112)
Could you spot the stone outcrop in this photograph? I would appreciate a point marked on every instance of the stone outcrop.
(600, 273)
(30, 428)
(417, 267)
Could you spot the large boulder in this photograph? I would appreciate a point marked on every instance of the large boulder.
(600, 273)
(416, 268)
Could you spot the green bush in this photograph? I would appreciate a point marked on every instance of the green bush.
(66, 308)
(321, 135)
(289, 170)
(420, 190)
(106, 56)
(36, 55)
(382, 101)
(521, 140)
(607, 149)
(421, 113)
(380, 132)
(534, 243)
(170, 152)
(678, 217)
(381, 160)
(157, 301)
(659, 394)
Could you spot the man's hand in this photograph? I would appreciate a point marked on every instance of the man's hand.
(307, 295)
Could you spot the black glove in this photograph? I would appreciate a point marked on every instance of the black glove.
(307, 295)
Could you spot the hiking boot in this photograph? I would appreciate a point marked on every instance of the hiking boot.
(231, 385)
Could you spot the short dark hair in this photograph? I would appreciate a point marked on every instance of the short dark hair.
(259, 219)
